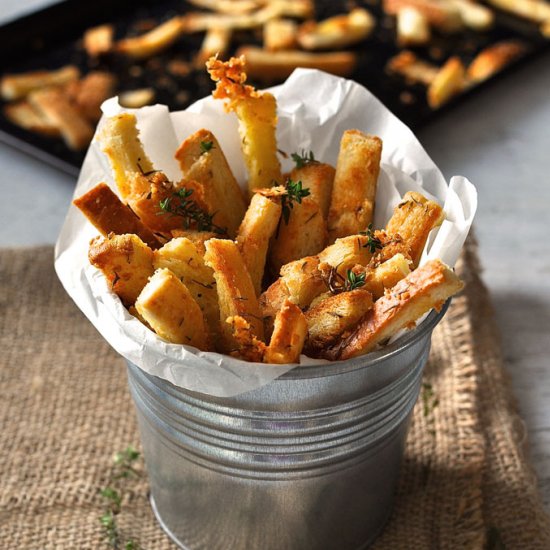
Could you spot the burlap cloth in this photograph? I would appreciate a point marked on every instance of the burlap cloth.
(65, 409)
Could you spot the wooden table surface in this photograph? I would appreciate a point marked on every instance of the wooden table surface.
(500, 139)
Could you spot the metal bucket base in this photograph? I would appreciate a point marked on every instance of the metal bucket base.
(179, 544)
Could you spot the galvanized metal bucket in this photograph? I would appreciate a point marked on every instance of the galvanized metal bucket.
(309, 461)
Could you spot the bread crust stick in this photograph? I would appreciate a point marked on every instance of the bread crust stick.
(271, 66)
(126, 261)
(185, 259)
(201, 159)
(255, 233)
(76, 130)
(108, 214)
(236, 294)
(441, 15)
(318, 177)
(152, 42)
(23, 114)
(493, 59)
(333, 316)
(355, 181)
(280, 34)
(339, 31)
(413, 219)
(289, 335)
(257, 114)
(170, 310)
(423, 289)
(537, 11)
(304, 233)
(17, 86)
(119, 140)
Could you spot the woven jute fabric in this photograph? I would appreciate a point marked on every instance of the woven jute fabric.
(65, 410)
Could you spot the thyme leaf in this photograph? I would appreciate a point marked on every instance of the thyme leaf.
(354, 280)
(123, 467)
(307, 157)
(337, 283)
(206, 146)
(180, 204)
(294, 194)
(373, 243)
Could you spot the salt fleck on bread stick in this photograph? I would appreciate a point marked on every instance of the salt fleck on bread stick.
(170, 310)
(423, 289)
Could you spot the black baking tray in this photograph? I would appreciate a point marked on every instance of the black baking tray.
(51, 37)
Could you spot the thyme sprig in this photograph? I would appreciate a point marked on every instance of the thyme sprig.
(373, 243)
(123, 467)
(307, 157)
(354, 280)
(429, 399)
(179, 204)
(337, 283)
(294, 194)
(206, 146)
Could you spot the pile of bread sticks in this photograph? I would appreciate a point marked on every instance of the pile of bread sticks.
(293, 266)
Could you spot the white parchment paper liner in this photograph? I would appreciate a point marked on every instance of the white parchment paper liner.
(314, 109)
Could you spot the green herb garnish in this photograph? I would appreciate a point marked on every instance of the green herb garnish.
(337, 283)
(179, 204)
(373, 243)
(206, 146)
(354, 280)
(429, 399)
(294, 193)
(123, 467)
(307, 157)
